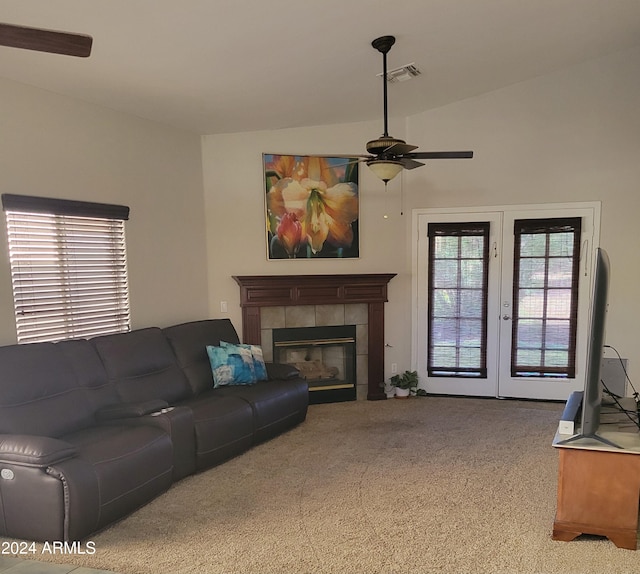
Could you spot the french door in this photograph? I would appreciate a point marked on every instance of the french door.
(501, 299)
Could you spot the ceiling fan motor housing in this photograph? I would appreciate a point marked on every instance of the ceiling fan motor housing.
(378, 146)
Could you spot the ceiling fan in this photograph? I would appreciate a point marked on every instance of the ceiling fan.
(389, 155)
(41, 40)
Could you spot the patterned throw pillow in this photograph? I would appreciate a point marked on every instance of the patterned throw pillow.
(258, 359)
(231, 365)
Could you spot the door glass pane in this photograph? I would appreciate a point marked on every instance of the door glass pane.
(545, 297)
(457, 284)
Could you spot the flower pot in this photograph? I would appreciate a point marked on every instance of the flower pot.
(402, 393)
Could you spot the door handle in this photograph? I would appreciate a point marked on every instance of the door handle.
(506, 317)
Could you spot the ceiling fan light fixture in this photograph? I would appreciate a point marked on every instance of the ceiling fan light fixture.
(385, 169)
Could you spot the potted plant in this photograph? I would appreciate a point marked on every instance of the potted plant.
(404, 383)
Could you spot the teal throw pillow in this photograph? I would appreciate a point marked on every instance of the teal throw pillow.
(258, 359)
(231, 365)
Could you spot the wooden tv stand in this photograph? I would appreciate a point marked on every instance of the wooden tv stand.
(599, 489)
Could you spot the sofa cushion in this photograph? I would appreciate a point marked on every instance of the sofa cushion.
(224, 427)
(276, 405)
(189, 342)
(142, 366)
(259, 366)
(231, 365)
(132, 464)
(51, 389)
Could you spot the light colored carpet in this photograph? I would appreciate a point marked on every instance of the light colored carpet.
(435, 484)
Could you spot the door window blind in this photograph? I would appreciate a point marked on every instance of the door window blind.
(545, 297)
(68, 267)
(458, 288)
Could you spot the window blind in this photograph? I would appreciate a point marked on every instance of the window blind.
(545, 297)
(68, 268)
(458, 290)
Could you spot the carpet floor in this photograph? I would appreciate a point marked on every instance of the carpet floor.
(435, 484)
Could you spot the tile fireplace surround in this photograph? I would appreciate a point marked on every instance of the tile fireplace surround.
(260, 291)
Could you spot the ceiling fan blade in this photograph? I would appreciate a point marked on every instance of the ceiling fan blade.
(400, 148)
(409, 163)
(41, 40)
(442, 155)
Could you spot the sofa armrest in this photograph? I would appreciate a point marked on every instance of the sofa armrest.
(32, 450)
(129, 410)
(282, 371)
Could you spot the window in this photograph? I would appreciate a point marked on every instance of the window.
(68, 267)
(458, 279)
(545, 297)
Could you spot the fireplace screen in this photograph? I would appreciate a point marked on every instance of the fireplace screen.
(325, 357)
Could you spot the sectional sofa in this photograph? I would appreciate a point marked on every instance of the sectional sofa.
(91, 429)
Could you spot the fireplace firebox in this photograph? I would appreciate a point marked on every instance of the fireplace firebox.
(325, 357)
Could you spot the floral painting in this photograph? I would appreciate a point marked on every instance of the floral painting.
(312, 206)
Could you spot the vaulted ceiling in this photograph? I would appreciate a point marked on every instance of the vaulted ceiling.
(215, 66)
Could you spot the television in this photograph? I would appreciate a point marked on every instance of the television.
(592, 394)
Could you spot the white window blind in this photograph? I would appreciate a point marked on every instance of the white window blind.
(68, 268)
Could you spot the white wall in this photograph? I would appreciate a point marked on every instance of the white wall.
(570, 136)
(55, 146)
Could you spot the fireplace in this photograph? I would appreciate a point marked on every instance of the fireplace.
(325, 357)
(288, 294)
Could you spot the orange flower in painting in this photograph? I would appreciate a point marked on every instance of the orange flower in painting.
(324, 207)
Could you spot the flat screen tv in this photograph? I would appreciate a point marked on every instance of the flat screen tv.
(592, 396)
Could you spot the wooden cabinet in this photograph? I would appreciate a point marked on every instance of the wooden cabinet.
(599, 484)
(598, 493)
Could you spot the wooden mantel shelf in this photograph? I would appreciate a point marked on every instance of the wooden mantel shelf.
(270, 290)
(258, 291)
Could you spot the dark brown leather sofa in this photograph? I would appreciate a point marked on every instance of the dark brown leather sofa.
(92, 429)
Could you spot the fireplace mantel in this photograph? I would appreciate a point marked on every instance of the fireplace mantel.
(258, 291)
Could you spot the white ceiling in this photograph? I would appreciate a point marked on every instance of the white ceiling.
(215, 66)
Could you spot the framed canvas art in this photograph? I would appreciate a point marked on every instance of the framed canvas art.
(312, 206)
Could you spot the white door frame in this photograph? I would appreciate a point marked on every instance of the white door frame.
(417, 213)
(464, 386)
